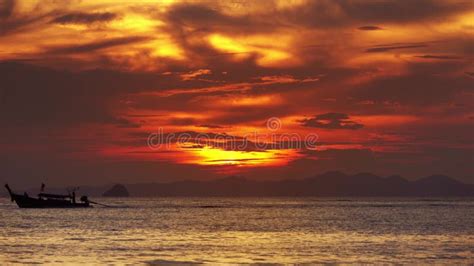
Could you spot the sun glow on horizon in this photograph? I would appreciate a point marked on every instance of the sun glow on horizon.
(208, 155)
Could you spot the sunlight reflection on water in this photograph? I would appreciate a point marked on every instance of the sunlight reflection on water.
(226, 230)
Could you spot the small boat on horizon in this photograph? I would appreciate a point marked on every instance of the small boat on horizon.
(45, 200)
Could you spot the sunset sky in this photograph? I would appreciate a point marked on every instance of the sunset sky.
(387, 86)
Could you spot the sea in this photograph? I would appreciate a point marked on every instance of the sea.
(181, 231)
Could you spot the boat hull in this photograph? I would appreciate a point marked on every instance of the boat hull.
(24, 201)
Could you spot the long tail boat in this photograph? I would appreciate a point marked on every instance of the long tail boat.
(45, 200)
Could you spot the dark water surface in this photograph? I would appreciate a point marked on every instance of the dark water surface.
(242, 230)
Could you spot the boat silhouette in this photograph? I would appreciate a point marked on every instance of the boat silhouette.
(46, 200)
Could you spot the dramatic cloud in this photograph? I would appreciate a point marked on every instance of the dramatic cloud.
(341, 13)
(331, 121)
(441, 57)
(90, 47)
(211, 126)
(386, 48)
(56, 98)
(400, 11)
(6, 8)
(85, 84)
(124, 123)
(370, 28)
(84, 18)
(425, 84)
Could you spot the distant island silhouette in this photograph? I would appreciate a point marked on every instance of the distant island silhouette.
(117, 190)
(330, 184)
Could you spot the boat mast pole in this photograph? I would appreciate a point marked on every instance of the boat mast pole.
(9, 191)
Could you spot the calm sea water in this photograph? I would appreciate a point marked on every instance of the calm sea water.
(249, 230)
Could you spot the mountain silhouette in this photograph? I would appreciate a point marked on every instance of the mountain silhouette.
(117, 190)
(329, 184)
